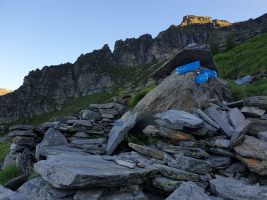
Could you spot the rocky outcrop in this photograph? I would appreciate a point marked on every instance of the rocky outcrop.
(4, 91)
(48, 89)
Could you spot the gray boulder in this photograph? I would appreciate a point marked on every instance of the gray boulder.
(52, 138)
(120, 129)
(181, 93)
(85, 171)
(177, 119)
(236, 117)
(166, 184)
(90, 115)
(252, 111)
(229, 188)
(189, 190)
(5, 193)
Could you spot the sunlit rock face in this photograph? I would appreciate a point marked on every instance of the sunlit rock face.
(4, 91)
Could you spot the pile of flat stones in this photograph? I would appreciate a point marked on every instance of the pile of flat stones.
(213, 153)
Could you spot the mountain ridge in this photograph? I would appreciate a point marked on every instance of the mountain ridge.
(47, 89)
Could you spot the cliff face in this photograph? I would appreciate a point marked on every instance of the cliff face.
(47, 89)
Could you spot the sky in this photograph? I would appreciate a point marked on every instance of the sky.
(36, 33)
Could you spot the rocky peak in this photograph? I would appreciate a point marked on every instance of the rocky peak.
(4, 91)
(198, 20)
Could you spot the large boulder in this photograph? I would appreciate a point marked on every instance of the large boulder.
(182, 93)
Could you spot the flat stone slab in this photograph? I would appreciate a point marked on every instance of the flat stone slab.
(236, 117)
(120, 129)
(252, 148)
(229, 188)
(177, 119)
(258, 101)
(220, 120)
(68, 172)
(252, 111)
(189, 190)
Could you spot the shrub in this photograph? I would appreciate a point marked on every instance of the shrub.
(4, 150)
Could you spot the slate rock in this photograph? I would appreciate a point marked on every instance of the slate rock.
(21, 127)
(257, 101)
(52, 138)
(256, 166)
(229, 188)
(89, 171)
(219, 162)
(252, 111)
(120, 129)
(177, 120)
(176, 174)
(240, 131)
(222, 123)
(22, 133)
(222, 143)
(252, 147)
(191, 164)
(262, 135)
(5, 193)
(38, 189)
(236, 117)
(202, 115)
(89, 194)
(90, 115)
(77, 123)
(150, 152)
(257, 125)
(189, 190)
(24, 141)
(166, 184)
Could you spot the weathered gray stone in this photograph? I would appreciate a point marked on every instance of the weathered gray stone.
(89, 194)
(219, 162)
(189, 190)
(177, 120)
(240, 132)
(166, 184)
(236, 168)
(9, 159)
(63, 119)
(257, 101)
(219, 119)
(257, 126)
(236, 117)
(252, 147)
(191, 164)
(176, 174)
(262, 135)
(222, 143)
(78, 123)
(125, 163)
(256, 166)
(181, 93)
(52, 138)
(5, 193)
(87, 171)
(252, 111)
(21, 127)
(229, 188)
(206, 118)
(90, 115)
(38, 189)
(120, 129)
(23, 133)
(150, 152)
(24, 141)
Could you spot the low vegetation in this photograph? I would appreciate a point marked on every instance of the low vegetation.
(248, 58)
(8, 173)
(4, 150)
(137, 97)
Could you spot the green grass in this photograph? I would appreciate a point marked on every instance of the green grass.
(4, 150)
(8, 173)
(253, 89)
(247, 58)
(137, 97)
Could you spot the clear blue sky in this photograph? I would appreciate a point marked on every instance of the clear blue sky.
(35, 33)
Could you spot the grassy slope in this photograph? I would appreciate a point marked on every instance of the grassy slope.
(245, 59)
